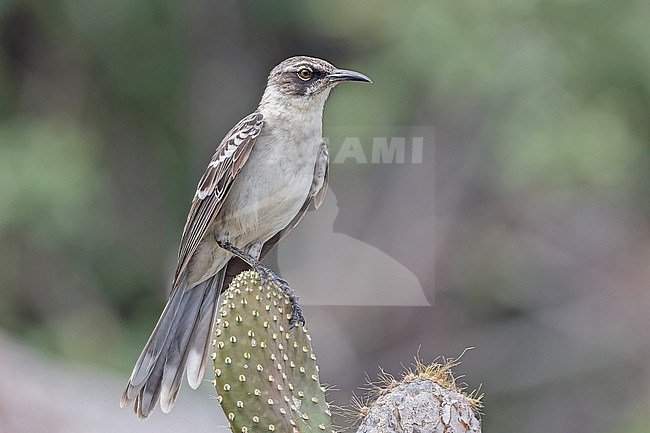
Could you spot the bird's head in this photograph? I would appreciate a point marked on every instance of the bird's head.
(309, 76)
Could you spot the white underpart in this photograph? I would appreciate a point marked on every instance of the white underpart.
(273, 184)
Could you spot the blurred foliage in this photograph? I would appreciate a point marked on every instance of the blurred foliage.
(102, 136)
(50, 173)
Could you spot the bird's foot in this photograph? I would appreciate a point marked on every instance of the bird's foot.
(266, 275)
(297, 317)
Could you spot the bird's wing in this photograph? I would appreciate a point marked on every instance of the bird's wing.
(316, 196)
(228, 159)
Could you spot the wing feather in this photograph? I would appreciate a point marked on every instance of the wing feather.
(229, 157)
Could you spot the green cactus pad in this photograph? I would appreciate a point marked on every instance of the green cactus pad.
(265, 374)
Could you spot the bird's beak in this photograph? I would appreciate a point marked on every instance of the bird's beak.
(345, 75)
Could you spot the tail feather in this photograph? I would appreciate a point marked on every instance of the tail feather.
(146, 400)
(200, 344)
(187, 319)
(192, 324)
(155, 345)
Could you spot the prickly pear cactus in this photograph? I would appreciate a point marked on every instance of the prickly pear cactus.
(265, 374)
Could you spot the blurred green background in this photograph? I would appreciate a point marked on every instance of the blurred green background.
(528, 227)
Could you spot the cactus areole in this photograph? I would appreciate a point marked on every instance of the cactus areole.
(265, 373)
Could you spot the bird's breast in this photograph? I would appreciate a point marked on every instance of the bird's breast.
(273, 184)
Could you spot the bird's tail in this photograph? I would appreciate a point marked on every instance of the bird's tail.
(179, 341)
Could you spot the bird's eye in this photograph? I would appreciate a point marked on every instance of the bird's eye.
(305, 74)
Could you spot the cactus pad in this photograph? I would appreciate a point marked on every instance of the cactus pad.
(265, 373)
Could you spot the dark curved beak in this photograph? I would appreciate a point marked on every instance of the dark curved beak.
(345, 75)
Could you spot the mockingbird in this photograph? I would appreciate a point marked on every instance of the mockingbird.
(260, 182)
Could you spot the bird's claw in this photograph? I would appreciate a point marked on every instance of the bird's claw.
(262, 272)
(297, 317)
(266, 275)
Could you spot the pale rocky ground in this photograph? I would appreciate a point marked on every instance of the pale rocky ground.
(40, 394)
